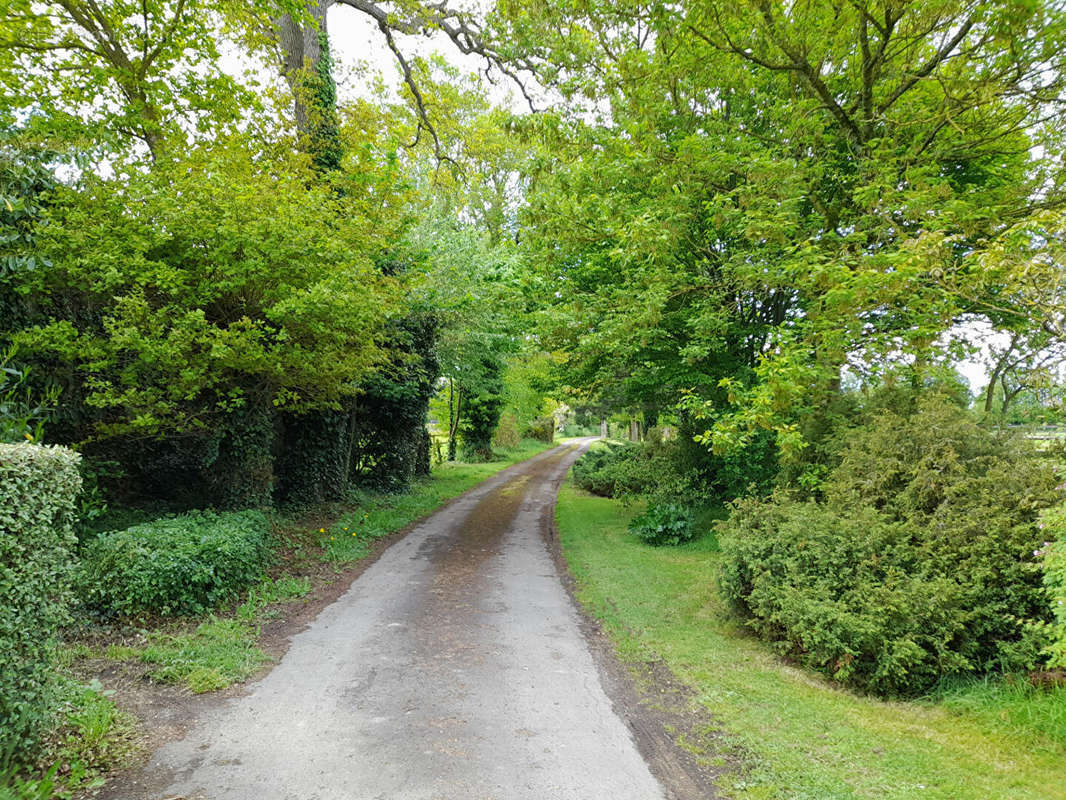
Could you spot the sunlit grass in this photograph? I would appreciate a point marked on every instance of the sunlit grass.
(218, 653)
(793, 734)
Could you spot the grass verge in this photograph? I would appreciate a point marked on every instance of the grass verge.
(794, 735)
(91, 736)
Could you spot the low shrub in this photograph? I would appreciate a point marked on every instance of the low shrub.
(507, 435)
(1053, 563)
(613, 470)
(664, 524)
(542, 429)
(185, 564)
(38, 495)
(919, 564)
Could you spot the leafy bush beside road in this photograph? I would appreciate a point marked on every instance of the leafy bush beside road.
(665, 524)
(919, 563)
(186, 564)
(38, 491)
(1053, 561)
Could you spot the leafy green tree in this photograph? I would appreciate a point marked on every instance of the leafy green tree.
(749, 196)
(199, 296)
(472, 288)
(112, 74)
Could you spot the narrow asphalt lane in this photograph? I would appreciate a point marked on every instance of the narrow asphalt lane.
(454, 668)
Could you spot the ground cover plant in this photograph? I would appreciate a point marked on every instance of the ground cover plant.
(90, 736)
(779, 731)
(180, 565)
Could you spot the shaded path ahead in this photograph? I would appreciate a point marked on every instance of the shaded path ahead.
(454, 668)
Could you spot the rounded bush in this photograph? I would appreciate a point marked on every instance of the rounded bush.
(179, 565)
(664, 524)
(919, 563)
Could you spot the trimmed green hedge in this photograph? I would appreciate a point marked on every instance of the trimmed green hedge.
(38, 490)
(179, 565)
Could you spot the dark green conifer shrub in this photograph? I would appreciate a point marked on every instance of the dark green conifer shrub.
(918, 564)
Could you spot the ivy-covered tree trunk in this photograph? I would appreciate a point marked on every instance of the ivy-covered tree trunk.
(242, 475)
(308, 68)
(315, 457)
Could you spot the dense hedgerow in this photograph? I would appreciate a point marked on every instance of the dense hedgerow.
(918, 564)
(542, 429)
(613, 470)
(38, 492)
(186, 564)
(1053, 555)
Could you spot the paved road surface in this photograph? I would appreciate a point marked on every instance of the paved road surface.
(453, 669)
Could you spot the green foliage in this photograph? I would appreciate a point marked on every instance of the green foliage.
(507, 435)
(26, 184)
(1052, 554)
(223, 280)
(799, 736)
(185, 564)
(325, 142)
(773, 191)
(315, 457)
(613, 469)
(483, 405)
(242, 472)
(156, 84)
(918, 564)
(38, 494)
(389, 442)
(89, 738)
(664, 524)
(22, 412)
(542, 429)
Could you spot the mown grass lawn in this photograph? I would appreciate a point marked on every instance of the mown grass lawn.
(793, 734)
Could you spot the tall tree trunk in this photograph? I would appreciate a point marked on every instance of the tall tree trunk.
(301, 50)
(455, 411)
